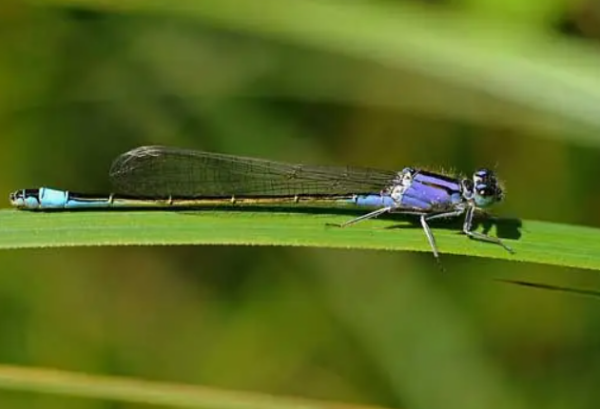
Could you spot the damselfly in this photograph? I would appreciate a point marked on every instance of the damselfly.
(155, 176)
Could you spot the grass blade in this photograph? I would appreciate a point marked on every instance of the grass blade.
(139, 391)
(544, 286)
(533, 241)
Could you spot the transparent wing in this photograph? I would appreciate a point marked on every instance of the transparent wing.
(157, 171)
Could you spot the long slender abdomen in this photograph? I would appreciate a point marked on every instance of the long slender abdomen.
(382, 200)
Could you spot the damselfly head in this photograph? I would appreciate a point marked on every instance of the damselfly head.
(486, 189)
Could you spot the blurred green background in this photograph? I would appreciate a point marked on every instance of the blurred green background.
(456, 84)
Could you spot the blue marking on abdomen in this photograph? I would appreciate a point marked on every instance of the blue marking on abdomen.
(60, 199)
(372, 200)
(82, 204)
(52, 198)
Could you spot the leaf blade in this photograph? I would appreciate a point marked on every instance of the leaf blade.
(540, 242)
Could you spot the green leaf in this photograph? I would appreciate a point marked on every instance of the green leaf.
(533, 241)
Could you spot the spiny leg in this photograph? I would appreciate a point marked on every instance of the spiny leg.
(468, 225)
(371, 215)
(430, 238)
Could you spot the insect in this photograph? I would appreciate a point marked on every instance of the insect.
(157, 176)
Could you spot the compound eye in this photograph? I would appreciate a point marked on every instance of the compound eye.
(484, 176)
(485, 192)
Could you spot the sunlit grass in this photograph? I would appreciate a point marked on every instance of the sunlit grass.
(533, 241)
